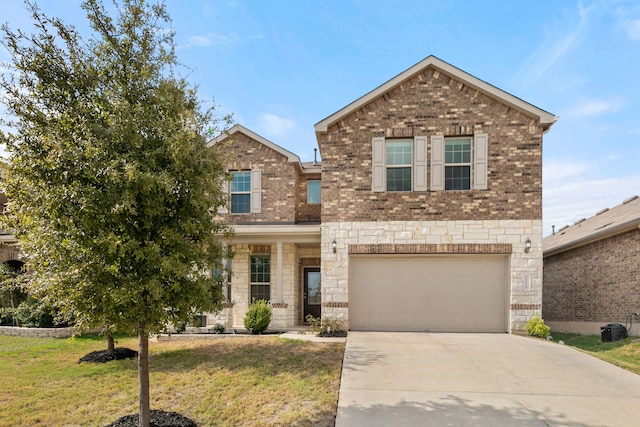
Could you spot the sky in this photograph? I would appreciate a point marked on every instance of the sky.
(280, 66)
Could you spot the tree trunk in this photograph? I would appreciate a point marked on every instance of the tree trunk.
(111, 344)
(144, 419)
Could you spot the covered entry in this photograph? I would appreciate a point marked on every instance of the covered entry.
(434, 293)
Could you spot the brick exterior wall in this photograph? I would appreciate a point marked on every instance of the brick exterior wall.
(304, 211)
(599, 282)
(432, 103)
(279, 181)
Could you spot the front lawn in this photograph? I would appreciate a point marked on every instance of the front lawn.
(232, 381)
(624, 353)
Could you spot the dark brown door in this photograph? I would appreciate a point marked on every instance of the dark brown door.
(312, 292)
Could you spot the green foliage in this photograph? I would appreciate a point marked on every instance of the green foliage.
(326, 326)
(536, 327)
(258, 317)
(110, 183)
(33, 313)
(218, 328)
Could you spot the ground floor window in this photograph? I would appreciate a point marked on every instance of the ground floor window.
(260, 278)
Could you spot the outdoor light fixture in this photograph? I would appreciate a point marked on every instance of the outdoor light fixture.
(527, 246)
(334, 245)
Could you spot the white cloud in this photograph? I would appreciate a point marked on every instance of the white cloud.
(559, 171)
(208, 40)
(555, 47)
(566, 202)
(274, 125)
(633, 30)
(587, 108)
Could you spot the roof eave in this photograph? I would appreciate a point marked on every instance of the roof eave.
(545, 118)
(291, 157)
(619, 229)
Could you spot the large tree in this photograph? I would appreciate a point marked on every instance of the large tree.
(111, 187)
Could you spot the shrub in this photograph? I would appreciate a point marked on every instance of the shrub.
(32, 313)
(218, 328)
(326, 327)
(258, 317)
(536, 327)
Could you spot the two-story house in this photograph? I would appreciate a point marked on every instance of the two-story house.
(424, 215)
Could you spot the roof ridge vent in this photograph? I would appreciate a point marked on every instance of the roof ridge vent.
(579, 221)
(630, 199)
(601, 211)
(564, 228)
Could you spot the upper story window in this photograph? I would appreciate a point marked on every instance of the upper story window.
(313, 192)
(245, 192)
(241, 192)
(399, 164)
(399, 160)
(457, 164)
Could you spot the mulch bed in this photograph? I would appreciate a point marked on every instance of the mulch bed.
(333, 334)
(103, 356)
(158, 419)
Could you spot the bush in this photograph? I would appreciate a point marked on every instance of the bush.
(536, 327)
(258, 317)
(327, 327)
(32, 313)
(218, 328)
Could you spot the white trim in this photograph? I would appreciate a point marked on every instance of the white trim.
(545, 118)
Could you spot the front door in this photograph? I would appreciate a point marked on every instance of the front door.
(312, 292)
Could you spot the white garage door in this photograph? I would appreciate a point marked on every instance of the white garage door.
(457, 293)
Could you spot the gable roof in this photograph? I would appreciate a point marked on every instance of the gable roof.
(291, 157)
(606, 223)
(545, 118)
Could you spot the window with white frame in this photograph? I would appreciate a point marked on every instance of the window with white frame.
(245, 191)
(457, 163)
(399, 159)
(399, 164)
(260, 278)
(241, 192)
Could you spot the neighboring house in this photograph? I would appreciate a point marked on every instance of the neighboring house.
(592, 271)
(9, 250)
(431, 213)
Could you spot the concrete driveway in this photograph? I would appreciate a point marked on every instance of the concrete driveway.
(424, 379)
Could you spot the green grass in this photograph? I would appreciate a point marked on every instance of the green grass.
(247, 381)
(623, 353)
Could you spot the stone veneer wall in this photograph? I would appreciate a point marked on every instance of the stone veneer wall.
(37, 332)
(523, 302)
(597, 282)
(285, 295)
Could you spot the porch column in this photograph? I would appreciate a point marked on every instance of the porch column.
(279, 271)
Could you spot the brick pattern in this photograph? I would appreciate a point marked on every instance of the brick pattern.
(335, 304)
(468, 248)
(594, 283)
(279, 181)
(9, 252)
(304, 211)
(432, 103)
(537, 307)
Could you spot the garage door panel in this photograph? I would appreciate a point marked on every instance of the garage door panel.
(428, 293)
